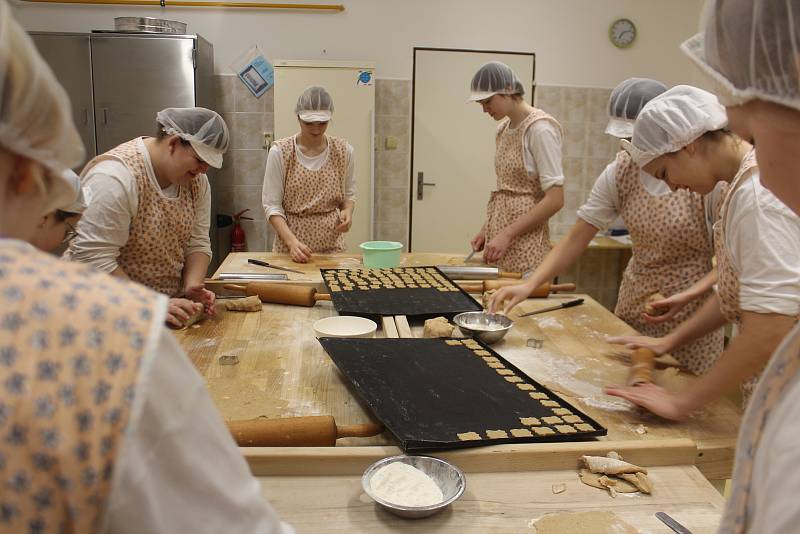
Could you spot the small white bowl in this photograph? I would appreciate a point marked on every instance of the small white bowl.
(345, 326)
(449, 478)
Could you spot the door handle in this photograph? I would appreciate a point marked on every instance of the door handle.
(421, 183)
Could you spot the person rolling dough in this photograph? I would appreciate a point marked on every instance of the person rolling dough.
(749, 50)
(309, 191)
(151, 209)
(530, 178)
(670, 232)
(108, 427)
(57, 228)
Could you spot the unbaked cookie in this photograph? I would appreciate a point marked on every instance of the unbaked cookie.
(543, 431)
(529, 421)
(584, 427)
(496, 365)
(468, 436)
(565, 429)
(495, 434)
(452, 342)
(483, 353)
(550, 403)
(572, 418)
(526, 387)
(513, 379)
(552, 420)
(504, 372)
(538, 395)
(561, 411)
(521, 433)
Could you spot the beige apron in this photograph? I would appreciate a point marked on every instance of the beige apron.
(160, 230)
(311, 199)
(671, 251)
(71, 345)
(782, 372)
(517, 193)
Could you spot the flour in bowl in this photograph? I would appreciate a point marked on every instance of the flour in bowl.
(405, 485)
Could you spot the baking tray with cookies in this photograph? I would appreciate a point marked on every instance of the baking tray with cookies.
(435, 394)
(412, 291)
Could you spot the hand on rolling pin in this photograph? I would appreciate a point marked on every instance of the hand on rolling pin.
(668, 307)
(478, 241)
(345, 220)
(179, 311)
(299, 251)
(199, 293)
(510, 296)
(659, 345)
(654, 399)
(496, 248)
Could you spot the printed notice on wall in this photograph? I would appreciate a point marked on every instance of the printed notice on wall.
(365, 78)
(254, 71)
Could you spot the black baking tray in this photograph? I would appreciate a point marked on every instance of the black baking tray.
(412, 302)
(427, 392)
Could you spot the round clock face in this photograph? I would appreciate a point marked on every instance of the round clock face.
(622, 33)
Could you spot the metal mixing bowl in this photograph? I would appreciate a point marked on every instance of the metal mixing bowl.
(487, 327)
(449, 478)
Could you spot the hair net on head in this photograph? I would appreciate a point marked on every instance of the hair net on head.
(672, 120)
(627, 100)
(314, 105)
(750, 49)
(204, 129)
(81, 195)
(35, 115)
(494, 78)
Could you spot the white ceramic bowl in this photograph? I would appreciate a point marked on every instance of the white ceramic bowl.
(345, 326)
(449, 478)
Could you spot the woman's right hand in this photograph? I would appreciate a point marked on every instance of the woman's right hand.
(669, 307)
(299, 252)
(179, 311)
(659, 345)
(510, 295)
(478, 241)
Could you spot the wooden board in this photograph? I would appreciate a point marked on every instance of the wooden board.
(411, 291)
(443, 394)
(496, 503)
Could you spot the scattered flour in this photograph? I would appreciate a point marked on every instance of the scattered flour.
(405, 485)
(550, 322)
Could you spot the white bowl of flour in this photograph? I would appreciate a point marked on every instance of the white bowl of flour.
(413, 486)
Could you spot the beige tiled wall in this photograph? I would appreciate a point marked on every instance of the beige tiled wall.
(587, 150)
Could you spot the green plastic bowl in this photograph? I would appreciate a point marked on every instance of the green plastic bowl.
(381, 254)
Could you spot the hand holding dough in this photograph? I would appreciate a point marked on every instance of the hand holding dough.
(650, 310)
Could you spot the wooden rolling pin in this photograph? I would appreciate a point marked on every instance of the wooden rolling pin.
(540, 292)
(281, 293)
(642, 363)
(314, 431)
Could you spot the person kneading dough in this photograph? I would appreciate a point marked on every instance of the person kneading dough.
(151, 209)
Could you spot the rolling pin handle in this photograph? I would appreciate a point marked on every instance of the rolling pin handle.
(235, 287)
(322, 296)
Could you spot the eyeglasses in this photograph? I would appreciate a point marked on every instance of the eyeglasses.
(70, 234)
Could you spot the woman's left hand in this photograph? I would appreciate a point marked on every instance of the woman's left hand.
(496, 248)
(346, 220)
(199, 293)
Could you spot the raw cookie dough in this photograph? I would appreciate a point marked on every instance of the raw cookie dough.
(538, 395)
(595, 522)
(529, 421)
(543, 431)
(550, 403)
(468, 436)
(505, 372)
(438, 327)
(593, 479)
(513, 379)
(521, 433)
(483, 353)
(496, 365)
(494, 434)
(584, 427)
(453, 342)
(571, 418)
(648, 306)
(610, 466)
(561, 411)
(247, 304)
(526, 387)
(552, 420)
(559, 488)
(565, 429)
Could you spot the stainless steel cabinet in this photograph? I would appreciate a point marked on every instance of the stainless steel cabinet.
(69, 56)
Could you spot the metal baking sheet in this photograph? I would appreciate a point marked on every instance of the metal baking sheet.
(435, 394)
(371, 296)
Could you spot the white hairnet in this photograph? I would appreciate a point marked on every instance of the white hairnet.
(750, 48)
(204, 129)
(672, 120)
(81, 195)
(627, 100)
(35, 115)
(314, 105)
(494, 78)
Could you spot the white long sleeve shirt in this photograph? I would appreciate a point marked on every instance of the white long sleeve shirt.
(275, 176)
(105, 226)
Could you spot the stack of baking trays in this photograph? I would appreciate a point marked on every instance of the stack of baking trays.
(435, 394)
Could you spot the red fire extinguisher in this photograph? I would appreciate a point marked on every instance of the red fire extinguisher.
(238, 239)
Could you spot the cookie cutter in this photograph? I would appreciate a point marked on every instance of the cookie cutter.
(535, 343)
(228, 359)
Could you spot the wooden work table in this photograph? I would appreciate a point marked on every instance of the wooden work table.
(284, 372)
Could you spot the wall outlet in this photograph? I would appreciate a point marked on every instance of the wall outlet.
(268, 139)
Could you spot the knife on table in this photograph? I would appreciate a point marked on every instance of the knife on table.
(271, 266)
(569, 304)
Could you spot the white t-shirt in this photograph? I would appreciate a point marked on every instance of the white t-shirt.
(275, 176)
(776, 467)
(541, 152)
(604, 203)
(763, 239)
(105, 226)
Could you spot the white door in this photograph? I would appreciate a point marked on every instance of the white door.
(353, 119)
(453, 147)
